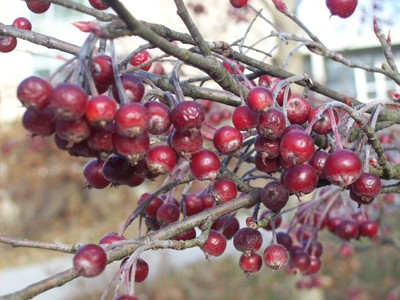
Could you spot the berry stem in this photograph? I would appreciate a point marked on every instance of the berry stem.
(117, 77)
(334, 128)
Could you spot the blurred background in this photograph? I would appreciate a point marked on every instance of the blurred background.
(43, 194)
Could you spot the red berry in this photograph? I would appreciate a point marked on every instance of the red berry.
(152, 208)
(275, 256)
(7, 43)
(90, 260)
(274, 196)
(133, 148)
(228, 67)
(126, 297)
(215, 245)
(187, 116)
(68, 101)
(141, 270)
(347, 229)
(284, 239)
(300, 179)
(227, 140)
(247, 240)
(74, 131)
(102, 70)
(167, 213)
(297, 147)
(159, 117)
(271, 83)
(208, 201)
(189, 234)
(250, 263)
(297, 110)
(136, 180)
(131, 120)
(323, 125)
(300, 261)
(368, 228)
(34, 92)
(118, 170)
(238, 3)
(333, 223)
(39, 122)
(22, 23)
(100, 110)
(317, 161)
(315, 265)
(185, 144)
(99, 4)
(224, 190)
(133, 86)
(93, 173)
(259, 99)
(367, 186)
(271, 124)
(314, 249)
(141, 58)
(342, 8)
(193, 204)
(204, 165)
(265, 164)
(158, 69)
(102, 140)
(37, 7)
(342, 167)
(161, 159)
(231, 228)
(267, 148)
(243, 118)
(110, 237)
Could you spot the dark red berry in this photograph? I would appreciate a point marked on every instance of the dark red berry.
(93, 174)
(189, 234)
(204, 165)
(292, 127)
(136, 181)
(143, 171)
(100, 110)
(300, 261)
(22, 23)
(133, 86)
(167, 213)
(271, 83)
(243, 118)
(228, 67)
(90, 260)
(74, 131)
(133, 148)
(102, 71)
(342, 8)
(368, 228)
(110, 237)
(34, 92)
(152, 207)
(247, 240)
(131, 120)
(297, 147)
(297, 110)
(208, 201)
(99, 4)
(39, 122)
(284, 239)
(314, 249)
(185, 144)
(126, 297)
(300, 179)
(347, 229)
(267, 148)
(224, 190)
(333, 223)
(266, 165)
(231, 228)
(367, 186)
(159, 117)
(259, 99)
(102, 140)
(274, 196)
(37, 7)
(227, 140)
(215, 245)
(141, 270)
(250, 263)
(141, 58)
(271, 124)
(68, 101)
(118, 170)
(323, 125)
(7, 43)
(315, 265)
(317, 161)
(342, 167)
(275, 256)
(160, 159)
(187, 116)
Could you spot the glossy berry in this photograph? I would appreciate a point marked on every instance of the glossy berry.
(93, 174)
(275, 256)
(284, 239)
(74, 131)
(7, 43)
(292, 127)
(68, 101)
(367, 186)
(159, 117)
(118, 170)
(238, 3)
(297, 110)
(99, 4)
(215, 245)
(247, 240)
(100, 110)
(315, 265)
(131, 120)
(300, 179)
(250, 263)
(204, 165)
(224, 190)
(191, 204)
(228, 67)
(102, 71)
(271, 83)
(342, 167)
(34, 92)
(110, 237)
(167, 213)
(37, 7)
(133, 148)
(185, 144)
(227, 140)
(231, 228)
(297, 147)
(323, 125)
(274, 196)
(102, 140)
(208, 201)
(141, 58)
(39, 122)
(243, 118)
(342, 8)
(141, 270)
(317, 161)
(271, 124)
(347, 229)
(266, 165)
(299, 261)
(90, 260)
(161, 159)
(22, 23)
(259, 99)
(133, 86)
(267, 148)
(187, 116)
(368, 228)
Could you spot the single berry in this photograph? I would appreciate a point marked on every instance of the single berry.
(93, 174)
(34, 92)
(74, 131)
(227, 140)
(159, 117)
(300, 261)
(274, 196)
(7, 43)
(297, 110)
(100, 110)
(215, 245)
(275, 256)
(161, 159)
(141, 58)
(243, 118)
(99, 4)
(342, 8)
(131, 120)
(191, 204)
(231, 228)
(189, 234)
(259, 99)
(102, 71)
(247, 240)
(271, 83)
(238, 3)
(204, 165)
(317, 161)
(315, 265)
(300, 179)
(90, 260)
(39, 122)
(347, 229)
(267, 148)
(323, 125)
(167, 213)
(110, 237)
(152, 207)
(228, 67)
(133, 148)
(367, 186)
(271, 124)
(368, 228)
(284, 239)
(188, 116)
(224, 190)
(22, 23)
(342, 167)
(37, 7)
(266, 165)
(297, 147)
(133, 86)
(250, 264)
(141, 270)
(118, 170)
(102, 140)
(185, 144)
